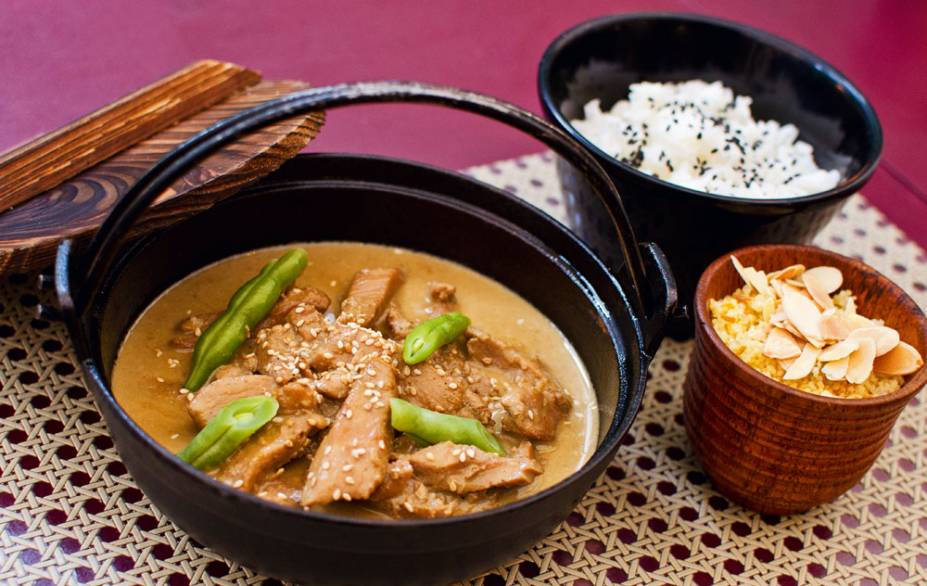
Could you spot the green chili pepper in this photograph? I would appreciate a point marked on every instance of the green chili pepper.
(428, 336)
(229, 429)
(433, 427)
(247, 307)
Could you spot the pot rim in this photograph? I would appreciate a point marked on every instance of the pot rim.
(851, 184)
(703, 325)
(604, 450)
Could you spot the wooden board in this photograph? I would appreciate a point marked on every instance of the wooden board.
(30, 232)
(46, 161)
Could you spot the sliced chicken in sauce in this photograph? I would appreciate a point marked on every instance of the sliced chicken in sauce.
(369, 295)
(331, 442)
(351, 461)
(465, 469)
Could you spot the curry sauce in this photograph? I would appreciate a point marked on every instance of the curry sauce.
(150, 369)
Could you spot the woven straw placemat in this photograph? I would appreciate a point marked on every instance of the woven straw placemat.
(70, 513)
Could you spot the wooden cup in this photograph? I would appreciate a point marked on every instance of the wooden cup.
(765, 445)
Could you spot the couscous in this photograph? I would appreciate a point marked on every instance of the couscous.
(798, 327)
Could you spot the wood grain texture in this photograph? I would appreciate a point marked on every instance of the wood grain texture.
(30, 232)
(767, 446)
(46, 161)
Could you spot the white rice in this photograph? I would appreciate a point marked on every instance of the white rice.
(699, 135)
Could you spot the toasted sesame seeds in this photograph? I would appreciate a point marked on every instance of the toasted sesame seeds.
(349, 480)
(238, 483)
(336, 494)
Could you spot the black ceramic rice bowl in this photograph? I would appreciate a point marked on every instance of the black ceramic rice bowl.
(602, 58)
(384, 201)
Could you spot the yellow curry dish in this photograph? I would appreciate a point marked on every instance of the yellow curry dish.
(359, 379)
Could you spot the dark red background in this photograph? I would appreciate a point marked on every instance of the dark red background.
(59, 60)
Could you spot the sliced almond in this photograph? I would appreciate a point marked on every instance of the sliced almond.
(787, 363)
(795, 283)
(833, 326)
(759, 281)
(781, 345)
(885, 338)
(850, 306)
(817, 288)
(789, 272)
(803, 364)
(856, 321)
(830, 278)
(901, 360)
(837, 369)
(787, 326)
(839, 351)
(801, 312)
(741, 269)
(751, 276)
(776, 285)
(860, 361)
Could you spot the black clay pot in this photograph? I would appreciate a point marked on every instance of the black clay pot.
(614, 325)
(603, 57)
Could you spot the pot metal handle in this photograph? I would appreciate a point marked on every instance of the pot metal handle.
(649, 296)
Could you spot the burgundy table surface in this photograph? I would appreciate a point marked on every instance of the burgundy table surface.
(59, 60)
